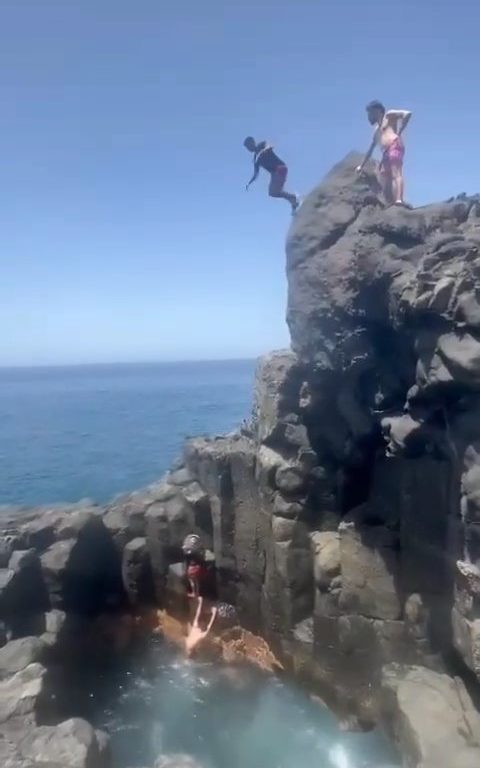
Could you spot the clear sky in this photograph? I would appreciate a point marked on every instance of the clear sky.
(125, 229)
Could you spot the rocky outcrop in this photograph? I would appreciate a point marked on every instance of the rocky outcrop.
(52, 561)
(73, 743)
(19, 654)
(432, 716)
(27, 700)
(382, 314)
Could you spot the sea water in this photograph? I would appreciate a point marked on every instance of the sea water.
(96, 431)
(160, 703)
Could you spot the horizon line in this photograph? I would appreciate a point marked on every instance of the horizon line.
(120, 363)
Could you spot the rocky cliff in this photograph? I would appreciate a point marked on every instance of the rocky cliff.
(344, 519)
(346, 522)
(348, 515)
(384, 313)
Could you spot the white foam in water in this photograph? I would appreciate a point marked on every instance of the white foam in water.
(339, 757)
(223, 720)
(157, 738)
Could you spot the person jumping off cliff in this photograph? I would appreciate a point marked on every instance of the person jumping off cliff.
(389, 126)
(264, 157)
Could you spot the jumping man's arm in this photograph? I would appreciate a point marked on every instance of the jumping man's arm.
(256, 169)
(256, 163)
(403, 115)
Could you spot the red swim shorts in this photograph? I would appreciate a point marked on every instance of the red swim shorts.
(279, 177)
(196, 571)
(393, 156)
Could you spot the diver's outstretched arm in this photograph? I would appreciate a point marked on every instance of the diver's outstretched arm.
(199, 610)
(212, 619)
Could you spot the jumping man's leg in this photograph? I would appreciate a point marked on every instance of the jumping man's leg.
(276, 188)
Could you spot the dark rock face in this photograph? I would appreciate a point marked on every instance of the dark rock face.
(382, 314)
(23, 595)
(137, 572)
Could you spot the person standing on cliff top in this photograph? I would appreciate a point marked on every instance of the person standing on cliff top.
(264, 157)
(389, 126)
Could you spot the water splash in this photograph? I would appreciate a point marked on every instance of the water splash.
(339, 757)
(227, 717)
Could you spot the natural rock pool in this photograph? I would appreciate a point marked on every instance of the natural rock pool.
(158, 703)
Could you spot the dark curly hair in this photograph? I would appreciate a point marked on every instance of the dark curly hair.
(376, 105)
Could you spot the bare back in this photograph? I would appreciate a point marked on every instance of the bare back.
(387, 131)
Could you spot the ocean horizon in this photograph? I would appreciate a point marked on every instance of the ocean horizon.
(95, 430)
(125, 363)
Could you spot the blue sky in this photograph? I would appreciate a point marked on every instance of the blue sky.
(125, 230)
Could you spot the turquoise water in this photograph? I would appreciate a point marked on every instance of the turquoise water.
(224, 718)
(94, 431)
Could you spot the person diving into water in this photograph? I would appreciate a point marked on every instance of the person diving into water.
(201, 586)
(195, 633)
(264, 157)
(389, 126)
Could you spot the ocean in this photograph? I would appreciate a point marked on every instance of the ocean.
(70, 433)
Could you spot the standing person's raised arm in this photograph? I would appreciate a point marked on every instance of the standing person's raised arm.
(403, 115)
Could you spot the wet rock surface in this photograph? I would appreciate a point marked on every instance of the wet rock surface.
(74, 743)
(18, 654)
